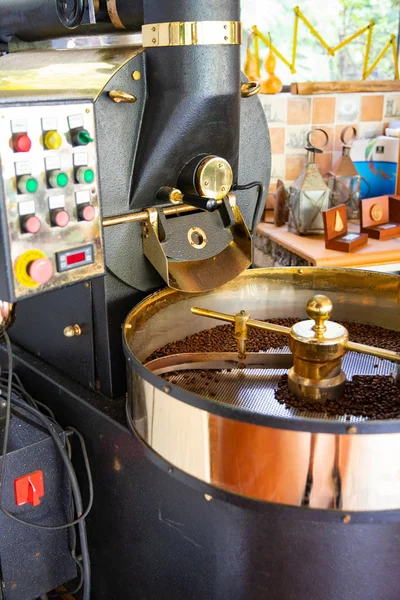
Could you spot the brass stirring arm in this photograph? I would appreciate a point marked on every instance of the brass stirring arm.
(317, 345)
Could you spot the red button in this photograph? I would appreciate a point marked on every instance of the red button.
(87, 213)
(30, 224)
(60, 218)
(22, 143)
(29, 489)
(41, 270)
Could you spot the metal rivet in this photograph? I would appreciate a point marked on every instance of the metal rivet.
(87, 284)
(170, 469)
(153, 28)
(225, 26)
(206, 183)
(154, 40)
(220, 165)
(223, 188)
(136, 75)
(226, 38)
(300, 271)
(346, 519)
(166, 389)
(352, 429)
(87, 110)
(208, 497)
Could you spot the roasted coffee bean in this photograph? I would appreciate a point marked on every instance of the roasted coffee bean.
(222, 339)
(369, 396)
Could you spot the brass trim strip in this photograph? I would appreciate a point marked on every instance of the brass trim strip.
(113, 14)
(192, 33)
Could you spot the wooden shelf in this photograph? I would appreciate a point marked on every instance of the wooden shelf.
(343, 87)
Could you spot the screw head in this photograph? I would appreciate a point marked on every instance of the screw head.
(208, 497)
(166, 389)
(346, 519)
(154, 40)
(352, 429)
(206, 183)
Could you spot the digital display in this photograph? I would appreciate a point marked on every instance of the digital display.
(72, 259)
(75, 259)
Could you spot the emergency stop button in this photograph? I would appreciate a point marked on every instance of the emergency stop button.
(29, 489)
(33, 268)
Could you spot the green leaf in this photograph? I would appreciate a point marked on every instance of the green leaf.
(369, 148)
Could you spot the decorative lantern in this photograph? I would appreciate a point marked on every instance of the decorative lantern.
(344, 181)
(309, 195)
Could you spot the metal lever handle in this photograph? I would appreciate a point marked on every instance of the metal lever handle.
(169, 194)
(213, 314)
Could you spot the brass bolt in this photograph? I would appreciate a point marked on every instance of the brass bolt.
(208, 497)
(136, 75)
(346, 519)
(352, 429)
(72, 331)
(87, 110)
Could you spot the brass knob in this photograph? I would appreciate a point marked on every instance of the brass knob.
(319, 309)
(72, 331)
(120, 96)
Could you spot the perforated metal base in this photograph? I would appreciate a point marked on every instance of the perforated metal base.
(254, 390)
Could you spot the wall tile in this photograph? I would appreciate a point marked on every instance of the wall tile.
(372, 108)
(370, 130)
(299, 111)
(294, 166)
(323, 110)
(337, 144)
(277, 135)
(277, 167)
(318, 138)
(275, 108)
(392, 107)
(296, 139)
(348, 108)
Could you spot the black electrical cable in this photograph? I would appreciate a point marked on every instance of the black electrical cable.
(260, 198)
(54, 433)
(75, 16)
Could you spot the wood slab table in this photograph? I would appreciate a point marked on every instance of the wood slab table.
(376, 255)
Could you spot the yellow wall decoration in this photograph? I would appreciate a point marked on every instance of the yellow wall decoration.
(367, 70)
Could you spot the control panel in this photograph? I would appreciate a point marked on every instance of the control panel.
(50, 211)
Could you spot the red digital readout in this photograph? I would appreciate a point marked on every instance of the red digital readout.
(72, 259)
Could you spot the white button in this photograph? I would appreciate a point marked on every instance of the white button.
(19, 126)
(82, 197)
(26, 208)
(23, 168)
(80, 159)
(53, 163)
(75, 121)
(49, 123)
(56, 201)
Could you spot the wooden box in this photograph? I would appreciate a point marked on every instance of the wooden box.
(337, 236)
(380, 217)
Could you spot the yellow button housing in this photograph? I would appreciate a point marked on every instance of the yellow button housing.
(52, 140)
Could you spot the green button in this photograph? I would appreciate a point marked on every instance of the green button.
(88, 176)
(84, 137)
(31, 185)
(62, 179)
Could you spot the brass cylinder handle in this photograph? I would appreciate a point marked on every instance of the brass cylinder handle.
(319, 309)
(250, 89)
(7, 314)
(120, 96)
(72, 331)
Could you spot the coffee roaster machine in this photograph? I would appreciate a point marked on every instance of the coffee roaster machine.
(134, 160)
